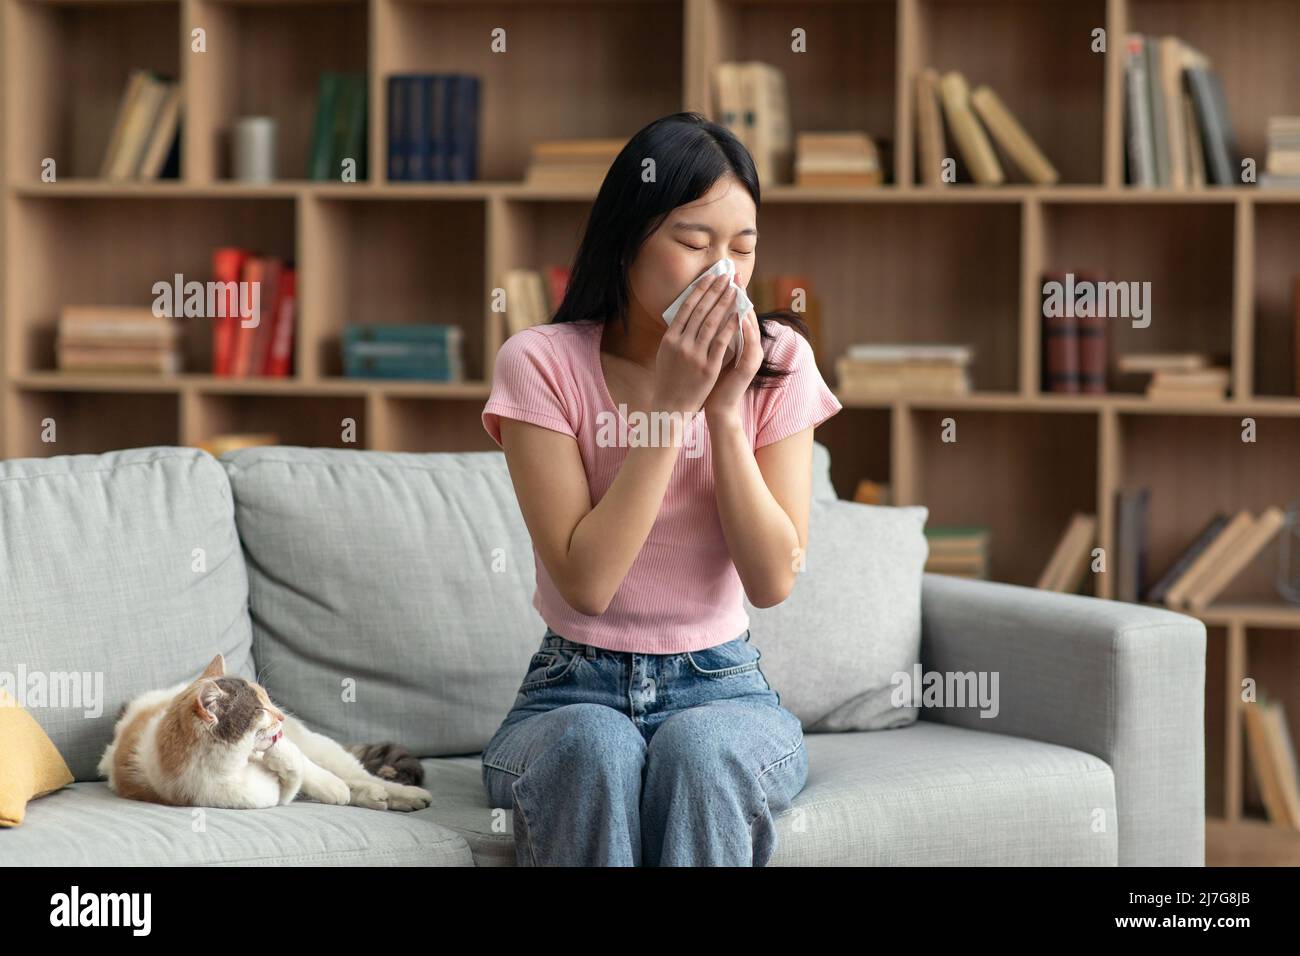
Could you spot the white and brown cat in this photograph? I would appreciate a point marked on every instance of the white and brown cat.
(220, 742)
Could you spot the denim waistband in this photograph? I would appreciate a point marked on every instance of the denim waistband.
(552, 639)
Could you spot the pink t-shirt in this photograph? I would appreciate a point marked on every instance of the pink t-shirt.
(682, 593)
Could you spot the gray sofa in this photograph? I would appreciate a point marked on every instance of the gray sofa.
(133, 568)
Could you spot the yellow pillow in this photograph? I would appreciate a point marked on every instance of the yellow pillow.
(30, 766)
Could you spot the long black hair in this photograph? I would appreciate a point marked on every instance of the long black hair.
(690, 154)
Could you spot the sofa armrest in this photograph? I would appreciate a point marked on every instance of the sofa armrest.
(1123, 682)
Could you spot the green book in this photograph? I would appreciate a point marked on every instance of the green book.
(318, 163)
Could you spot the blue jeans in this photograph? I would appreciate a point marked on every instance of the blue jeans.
(612, 758)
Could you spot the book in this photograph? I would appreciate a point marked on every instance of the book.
(525, 300)
(1011, 136)
(320, 160)
(114, 338)
(1263, 530)
(1216, 128)
(1068, 564)
(163, 136)
(767, 112)
(1202, 565)
(1260, 728)
(975, 147)
(399, 132)
(1283, 757)
(149, 94)
(463, 108)
(279, 359)
(218, 445)
(1211, 530)
(1159, 119)
(227, 269)
(929, 129)
(1151, 362)
(836, 159)
(1131, 564)
(1060, 344)
(1141, 147)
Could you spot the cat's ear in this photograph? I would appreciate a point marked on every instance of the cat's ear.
(216, 669)
(205, 700)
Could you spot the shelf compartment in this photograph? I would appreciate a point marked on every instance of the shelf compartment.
(571, 70)
(859, 443)
(996, 474)
(846, 78)
(901, 272)
(88, 422)
(1250, 44)
(1184, 250)
(423, 258)
(1037, 57)
(420, 425)
(265, 59)
(71, 62)
(111, 251)
(315, 421)
(1197, 466)
(1277, 300)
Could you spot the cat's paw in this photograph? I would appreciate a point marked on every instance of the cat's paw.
(369, 794)
(406, 798)
(285, 762)
(327, 788)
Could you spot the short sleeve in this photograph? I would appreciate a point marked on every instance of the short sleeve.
(800, 400)
(528, 384)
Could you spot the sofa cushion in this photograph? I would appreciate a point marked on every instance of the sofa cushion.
(927, 794)
(103, 591)
(853, 620)
(88, 825)
(822, 488)
(391, 593)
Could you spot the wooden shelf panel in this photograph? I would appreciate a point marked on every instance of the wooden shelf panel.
(87, 422)
(1016, 456)
(1053, 82)
(1197, 466)
(266, 60)
(71, 60)
(570, 69)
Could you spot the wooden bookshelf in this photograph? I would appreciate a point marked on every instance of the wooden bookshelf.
(898, 263)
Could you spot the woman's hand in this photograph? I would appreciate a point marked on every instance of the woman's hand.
(691, 352)
(724, 402)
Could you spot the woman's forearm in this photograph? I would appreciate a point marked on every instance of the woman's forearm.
(609, 537)
(761, 537)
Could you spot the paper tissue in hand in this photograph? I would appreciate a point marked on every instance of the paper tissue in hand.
(727, 267)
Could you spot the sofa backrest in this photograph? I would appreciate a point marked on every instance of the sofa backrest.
(119, 573)
(391, 593)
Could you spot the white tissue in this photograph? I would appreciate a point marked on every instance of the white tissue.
(723, 266)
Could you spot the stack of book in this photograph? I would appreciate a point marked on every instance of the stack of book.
(836, 159)
(423, 351)
(1216, 557)
(874, 371)
(960, 552)
(145, 141)
(571, 163)
(1178, 130)
(1075, 339)
(972, 118)
(1283, 162)
(532, 299)
(1272, 755)
(1068, 565)
(750, 100)
(114, 338)
(433, 121)
(339, 131)
(1173, 376)
(256, 314)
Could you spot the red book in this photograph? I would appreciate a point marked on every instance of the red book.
(228, 268)
(279, 359)
(1094, 345)
(268, 306)
(1061, 361)
(242, 350)
(558, 279)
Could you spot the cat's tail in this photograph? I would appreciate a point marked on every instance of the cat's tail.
(389, 761)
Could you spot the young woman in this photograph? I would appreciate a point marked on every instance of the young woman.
(644, 731)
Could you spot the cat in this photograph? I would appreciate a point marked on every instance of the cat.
(219, 741)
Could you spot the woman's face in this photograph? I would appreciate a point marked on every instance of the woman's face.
(689, 240)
